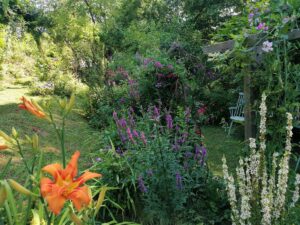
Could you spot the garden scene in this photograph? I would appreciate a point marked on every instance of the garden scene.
(149, 112)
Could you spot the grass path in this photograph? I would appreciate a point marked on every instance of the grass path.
(79, 135)
(219, 144)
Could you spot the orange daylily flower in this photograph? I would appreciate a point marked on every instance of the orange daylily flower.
(65, 186)
(3, 147)
(30, 107)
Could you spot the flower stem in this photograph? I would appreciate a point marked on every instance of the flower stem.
(22, 156)
(61, 137)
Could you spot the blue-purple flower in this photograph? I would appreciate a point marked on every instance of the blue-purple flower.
(178, 181)
(158, 65)
(169, 121)
(141, 185)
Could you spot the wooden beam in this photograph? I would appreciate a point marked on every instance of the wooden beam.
(229, 45)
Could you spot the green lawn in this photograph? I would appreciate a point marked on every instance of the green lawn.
(79, 135)
(219, 144)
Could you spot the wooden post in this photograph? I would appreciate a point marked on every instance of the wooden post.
(251, 41)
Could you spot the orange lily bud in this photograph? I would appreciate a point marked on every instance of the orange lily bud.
(19, 188)
(33, 108)
(5, 136)
(35, 141)
(14, 132)
(3, 147)
(100, 199)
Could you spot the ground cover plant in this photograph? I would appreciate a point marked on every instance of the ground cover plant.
(117, 112)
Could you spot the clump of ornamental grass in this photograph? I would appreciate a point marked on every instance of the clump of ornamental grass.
(260, 195)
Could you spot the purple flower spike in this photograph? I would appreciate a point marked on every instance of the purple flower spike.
(135, 133)
(141, 185)
(178, 181)
(158, 65)
(156, 113)
(115, 116)
(150, 173)
(143, 138)
(122, 123)
(197, 152)
(169, 121)
(129, 134)
(122, 137)
(176, 147)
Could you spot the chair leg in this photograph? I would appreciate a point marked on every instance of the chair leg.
(230, 127)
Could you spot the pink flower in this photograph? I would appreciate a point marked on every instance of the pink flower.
(201, 110)
(262, 26)
(143, 138)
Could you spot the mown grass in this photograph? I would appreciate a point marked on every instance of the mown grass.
(79, 135)
(219, 144)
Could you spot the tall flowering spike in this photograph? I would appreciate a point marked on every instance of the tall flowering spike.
(141, 185)
(283, 172)
(32, 108)
(263, 119)
(179, 181)
(129, 135)
(64, 186)
(143, 138)
(169, 121)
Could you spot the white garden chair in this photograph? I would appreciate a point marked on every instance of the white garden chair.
(237, 112)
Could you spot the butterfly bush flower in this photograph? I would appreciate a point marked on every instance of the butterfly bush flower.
(158, 65)
(129, 135)
(267, 46)
(122, 123)
(115, 116)
(156, 113)
(179, 181)
(169, 121)
(143, 138)
(142, 185)
(135, 133)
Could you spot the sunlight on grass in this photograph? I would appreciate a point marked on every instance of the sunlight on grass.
(79, 135)
(219, 144)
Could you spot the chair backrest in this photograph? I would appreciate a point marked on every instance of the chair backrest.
(239, 110)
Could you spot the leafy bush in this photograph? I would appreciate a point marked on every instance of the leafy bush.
(158, 164)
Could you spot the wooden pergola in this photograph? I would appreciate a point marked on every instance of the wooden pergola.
(251, 42)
